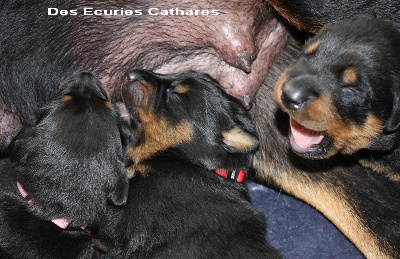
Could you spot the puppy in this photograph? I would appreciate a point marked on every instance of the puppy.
(343, 94)
(191, 146)
(65, 170)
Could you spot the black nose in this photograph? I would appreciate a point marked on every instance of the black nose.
(296, 93)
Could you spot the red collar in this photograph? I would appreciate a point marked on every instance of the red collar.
(237, 176)
(60, 222)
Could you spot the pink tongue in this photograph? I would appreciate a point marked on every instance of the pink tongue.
(303, 137)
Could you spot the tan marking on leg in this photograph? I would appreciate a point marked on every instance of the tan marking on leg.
(100, 245)
(381, 168)
(329, 199)
(274, 168)
(311, 48)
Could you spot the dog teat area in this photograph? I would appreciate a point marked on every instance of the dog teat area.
(199, 129)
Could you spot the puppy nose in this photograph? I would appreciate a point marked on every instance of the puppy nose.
(297, 93)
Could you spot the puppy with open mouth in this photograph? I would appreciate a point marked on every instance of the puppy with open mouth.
(61, 175)
(343, 94)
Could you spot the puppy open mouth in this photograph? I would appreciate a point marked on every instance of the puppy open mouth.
(307, 142)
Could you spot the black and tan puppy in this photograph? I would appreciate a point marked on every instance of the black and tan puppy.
(65, 169)
(191, 146)
(343, 94)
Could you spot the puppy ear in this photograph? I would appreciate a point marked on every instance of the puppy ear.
(130, 131)
(237, 140)
(129, 128)
(19, 139)
(119, 195)
(393, 122)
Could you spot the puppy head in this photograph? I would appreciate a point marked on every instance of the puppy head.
(188, 116)
(70, 161)
(342, 93)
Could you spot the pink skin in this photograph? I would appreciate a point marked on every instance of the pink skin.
(236, 47)
(237, 82)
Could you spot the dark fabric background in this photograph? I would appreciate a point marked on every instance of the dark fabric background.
(298, 230)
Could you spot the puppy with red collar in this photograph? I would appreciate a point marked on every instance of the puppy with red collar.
(191, 146)
(61, 175)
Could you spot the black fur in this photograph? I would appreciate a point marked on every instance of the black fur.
(66, 171)
(337, 187)
(177, 207)
(312, 15)
(38, 51)
(35, 56)
(355, 66)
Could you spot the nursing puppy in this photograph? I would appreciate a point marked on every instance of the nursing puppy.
(65, 170)
(343, 94)
(191, 146)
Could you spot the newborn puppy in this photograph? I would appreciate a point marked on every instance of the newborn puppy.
(191, 146)
(67, 168)
(343, 94)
